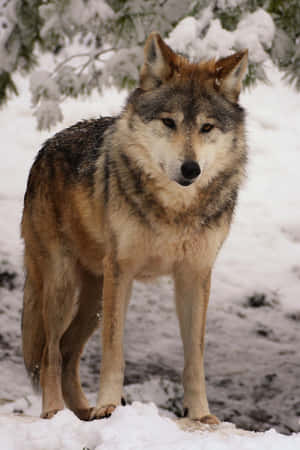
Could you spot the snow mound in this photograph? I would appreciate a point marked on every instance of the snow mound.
(138, 426)
(205, 38)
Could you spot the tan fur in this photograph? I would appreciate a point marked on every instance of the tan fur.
(92, 226)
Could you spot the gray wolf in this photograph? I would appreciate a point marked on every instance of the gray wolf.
(117, 199)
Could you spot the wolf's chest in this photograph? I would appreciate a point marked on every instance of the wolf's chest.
(157, 255)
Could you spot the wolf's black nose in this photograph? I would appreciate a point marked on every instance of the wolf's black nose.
(190, 169)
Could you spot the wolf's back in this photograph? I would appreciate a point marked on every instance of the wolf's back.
(72, 152)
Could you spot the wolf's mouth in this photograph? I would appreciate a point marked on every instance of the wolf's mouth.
(185, 182)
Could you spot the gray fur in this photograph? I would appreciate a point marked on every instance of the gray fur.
(191, 100)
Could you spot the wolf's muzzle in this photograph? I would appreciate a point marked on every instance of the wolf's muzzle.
(190, 170)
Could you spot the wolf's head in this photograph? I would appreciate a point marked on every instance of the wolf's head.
(185, 115)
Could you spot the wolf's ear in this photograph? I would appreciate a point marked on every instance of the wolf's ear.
(229, 74)
(159, 62)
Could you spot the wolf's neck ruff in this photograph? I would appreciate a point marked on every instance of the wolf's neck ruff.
(153, 198)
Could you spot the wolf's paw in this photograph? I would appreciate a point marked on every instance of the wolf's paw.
(102, 412)
(49, 414)
(209, 419)
(84, 414)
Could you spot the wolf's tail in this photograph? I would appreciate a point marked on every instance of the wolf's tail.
(33, 333)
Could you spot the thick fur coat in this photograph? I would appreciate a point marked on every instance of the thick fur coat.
(148, 193)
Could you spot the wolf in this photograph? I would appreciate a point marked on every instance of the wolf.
(150, 192)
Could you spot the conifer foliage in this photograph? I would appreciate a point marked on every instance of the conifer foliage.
(71, 47)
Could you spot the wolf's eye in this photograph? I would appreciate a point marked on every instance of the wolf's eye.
(206, 127)
(170, 123)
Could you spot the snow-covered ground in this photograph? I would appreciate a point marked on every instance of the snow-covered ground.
(136, 427)
(253, 329)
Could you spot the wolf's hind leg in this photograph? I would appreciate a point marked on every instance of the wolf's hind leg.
(72, 344)
(60, 297)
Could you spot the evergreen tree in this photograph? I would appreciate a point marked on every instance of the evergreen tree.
(94, 43)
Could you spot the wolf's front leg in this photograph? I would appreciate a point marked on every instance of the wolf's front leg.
(192, 295)
(116, 293)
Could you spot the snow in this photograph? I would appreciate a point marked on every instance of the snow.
(80, 11)
(131, 427)
(255, 31)
(8, 21)
(227, 4)
(185, 33)
(41, 80)
(48, 114)
(252, 361)
(271, 234)
(74, 14)
(259, 23)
